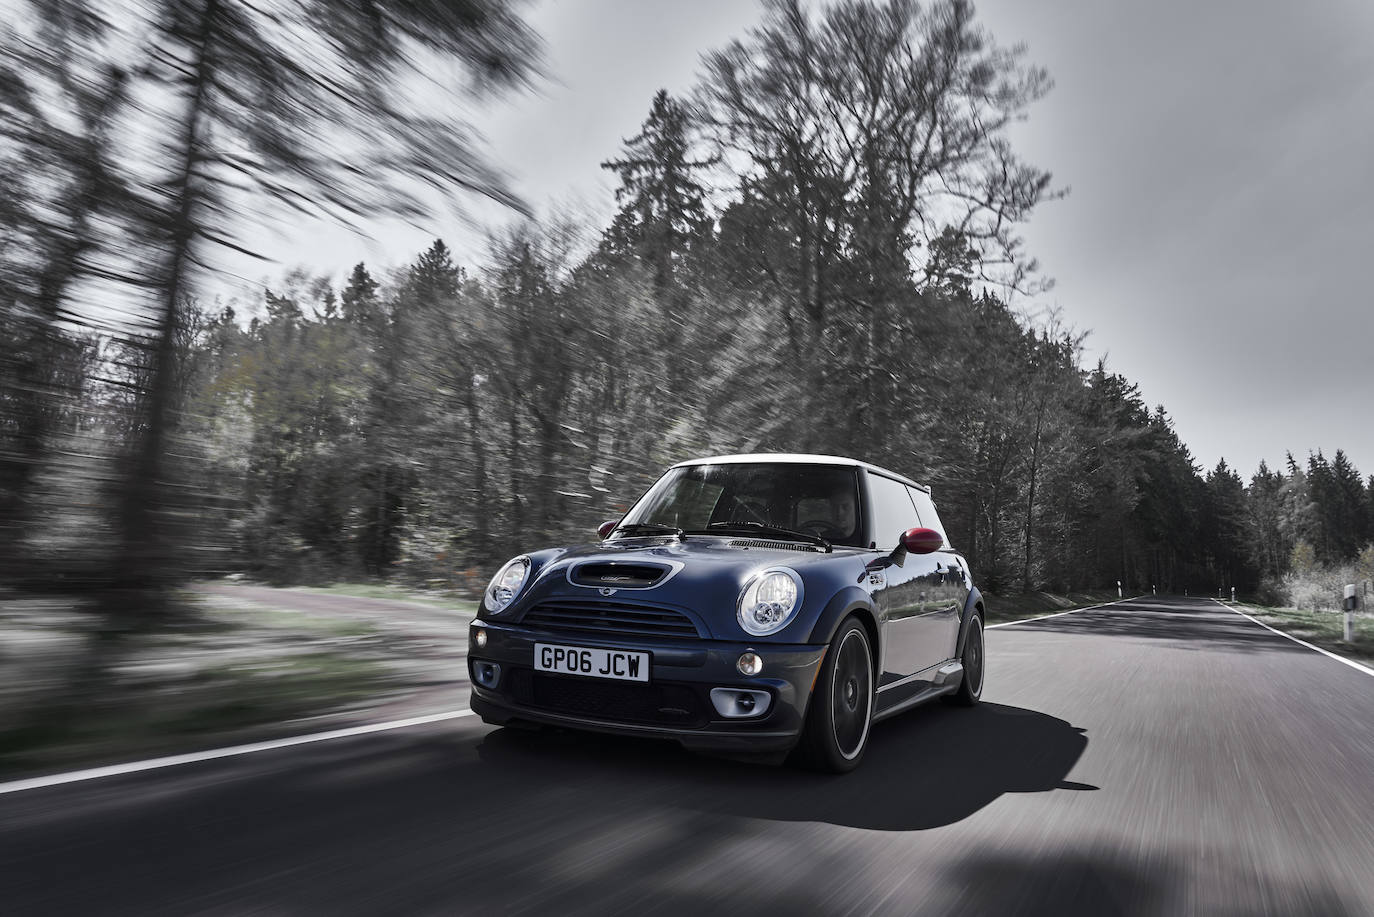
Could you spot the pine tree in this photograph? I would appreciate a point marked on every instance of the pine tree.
(359, 297)
(1224, 527)
(1268, 545)
(1349, 513)
(662, 216)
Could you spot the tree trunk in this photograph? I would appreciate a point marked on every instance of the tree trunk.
(517, 506)
(145, 553)
(1030, 499)
(481, 504)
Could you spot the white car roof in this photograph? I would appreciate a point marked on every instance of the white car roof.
(798, 459)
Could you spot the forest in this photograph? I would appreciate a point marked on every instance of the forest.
(816, 249)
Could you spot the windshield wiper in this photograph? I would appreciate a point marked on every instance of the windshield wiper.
(762, 529)
(648, 528)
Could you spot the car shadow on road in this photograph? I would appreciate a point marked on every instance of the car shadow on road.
(1129, 881)
(928, 768)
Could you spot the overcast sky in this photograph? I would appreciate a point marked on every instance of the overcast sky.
(1218, 239)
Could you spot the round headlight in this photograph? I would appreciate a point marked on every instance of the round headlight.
(769, 600)
(506, 584)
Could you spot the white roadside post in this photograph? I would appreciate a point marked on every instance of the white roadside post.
(1351, 603)
(1118, 589)
(1233, 595)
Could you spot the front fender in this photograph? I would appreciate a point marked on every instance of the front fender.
(841, 605)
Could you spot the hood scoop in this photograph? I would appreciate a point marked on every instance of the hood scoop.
(618, 575)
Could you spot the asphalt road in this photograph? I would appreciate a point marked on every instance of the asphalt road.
(1153, 757)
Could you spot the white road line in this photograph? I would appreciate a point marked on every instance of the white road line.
(1058, 613)
(96, 773)
(1350, 662)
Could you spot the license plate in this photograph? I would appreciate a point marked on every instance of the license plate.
(625, 665)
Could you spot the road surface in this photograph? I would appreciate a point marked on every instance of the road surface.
(1153, 757)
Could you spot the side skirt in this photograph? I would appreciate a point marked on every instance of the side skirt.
(946, 680)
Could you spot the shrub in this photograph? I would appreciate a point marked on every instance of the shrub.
(1318, 588)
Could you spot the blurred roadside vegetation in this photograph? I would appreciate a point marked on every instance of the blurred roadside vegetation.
(393, 593)
(230, 670)
(816, 249)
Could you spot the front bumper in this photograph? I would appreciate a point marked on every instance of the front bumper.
(674, 704)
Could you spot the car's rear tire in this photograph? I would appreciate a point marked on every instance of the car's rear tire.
(974, 661)
(840, 714)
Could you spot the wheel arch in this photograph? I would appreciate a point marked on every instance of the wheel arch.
(850, 601)
(974, 603)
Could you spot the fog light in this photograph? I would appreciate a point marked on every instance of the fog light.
(486, 674)
(749, 664)
(479, 638)
(739, 703)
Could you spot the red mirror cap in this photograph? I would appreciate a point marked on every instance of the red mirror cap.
(605, 529)
(922, 541)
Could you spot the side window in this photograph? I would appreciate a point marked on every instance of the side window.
(890, 509)
(925, 508)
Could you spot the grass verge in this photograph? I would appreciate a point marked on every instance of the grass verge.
(230, 671)
(1325, 629)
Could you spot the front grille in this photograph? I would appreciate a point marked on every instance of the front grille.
(659, 705)
(611, 618)
(777, 545)
(617, 575)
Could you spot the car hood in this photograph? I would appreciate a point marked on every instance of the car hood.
(704, 579)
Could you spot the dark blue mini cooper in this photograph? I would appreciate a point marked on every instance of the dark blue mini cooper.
(748, 605)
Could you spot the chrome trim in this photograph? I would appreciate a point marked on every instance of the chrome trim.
(672, 566)
(524, 585)
(749, 583)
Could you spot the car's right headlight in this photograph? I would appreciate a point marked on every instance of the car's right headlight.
(506, 584)
(769, 600)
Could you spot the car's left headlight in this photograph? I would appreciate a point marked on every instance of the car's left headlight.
(769, 600)
(506, 585)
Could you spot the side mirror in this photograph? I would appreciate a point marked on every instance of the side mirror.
(605, 529)
(921, 541)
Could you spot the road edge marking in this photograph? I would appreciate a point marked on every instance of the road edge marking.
(133, 767)
(1336, 656)
(1071, 611)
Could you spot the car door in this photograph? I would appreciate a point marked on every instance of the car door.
(900, 582)
(947, 586)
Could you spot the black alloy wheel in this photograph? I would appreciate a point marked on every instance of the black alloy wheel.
(841, 709)
(971, 687)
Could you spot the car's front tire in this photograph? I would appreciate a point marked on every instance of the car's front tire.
(973, 659)
(841, 709)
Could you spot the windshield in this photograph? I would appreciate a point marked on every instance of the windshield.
(816, 499)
